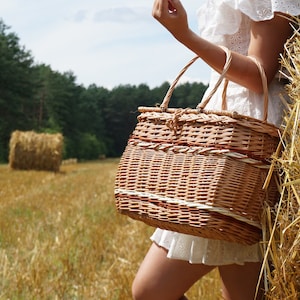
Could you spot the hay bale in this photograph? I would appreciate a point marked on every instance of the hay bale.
(282, 226)
(35, 151)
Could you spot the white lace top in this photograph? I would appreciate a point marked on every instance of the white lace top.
(227, 23)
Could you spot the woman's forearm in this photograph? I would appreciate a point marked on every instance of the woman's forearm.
(266, 42)
(242, 70)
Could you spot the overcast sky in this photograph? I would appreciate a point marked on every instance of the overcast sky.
(103, 42)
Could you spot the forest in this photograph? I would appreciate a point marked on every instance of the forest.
(94, 121)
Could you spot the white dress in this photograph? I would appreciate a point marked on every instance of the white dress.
(227, 23)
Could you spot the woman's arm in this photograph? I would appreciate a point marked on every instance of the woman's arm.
(267, 41)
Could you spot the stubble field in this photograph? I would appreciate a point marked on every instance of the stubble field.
(61, 237)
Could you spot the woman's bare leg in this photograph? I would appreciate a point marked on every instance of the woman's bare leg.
(239, 282)
(161, 278)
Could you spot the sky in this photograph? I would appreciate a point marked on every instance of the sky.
(107, 43)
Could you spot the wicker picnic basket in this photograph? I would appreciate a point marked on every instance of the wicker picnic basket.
(198, 172)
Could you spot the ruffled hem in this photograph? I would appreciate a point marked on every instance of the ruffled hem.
(197, 250)
(260, 10)
(219, 17)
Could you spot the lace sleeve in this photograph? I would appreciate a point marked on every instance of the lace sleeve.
(217, 18)
(260, 10)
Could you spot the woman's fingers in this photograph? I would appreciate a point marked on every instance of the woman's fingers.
(166, 8)
(177, 5)
(172, 15)
(160, 8)
(171, 7)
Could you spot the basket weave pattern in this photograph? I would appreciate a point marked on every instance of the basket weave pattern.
(244, 135)
(199, 173)
(201, 192)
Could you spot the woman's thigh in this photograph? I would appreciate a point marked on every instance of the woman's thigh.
(162, 278)
(240, 282)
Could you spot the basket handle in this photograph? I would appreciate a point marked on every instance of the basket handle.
(265, 86)
(165, 103)
(204, 102)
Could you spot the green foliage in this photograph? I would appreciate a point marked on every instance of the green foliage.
(17, 86)
(93, 120)
(89, 147)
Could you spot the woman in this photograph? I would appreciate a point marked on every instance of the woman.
(249, 28)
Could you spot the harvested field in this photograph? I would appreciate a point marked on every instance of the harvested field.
(61, 237)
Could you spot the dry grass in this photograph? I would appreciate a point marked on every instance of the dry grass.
(61, 237)
(283, 222)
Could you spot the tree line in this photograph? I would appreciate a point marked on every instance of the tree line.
(93, 120)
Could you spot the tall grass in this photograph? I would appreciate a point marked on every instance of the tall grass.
(61, 237)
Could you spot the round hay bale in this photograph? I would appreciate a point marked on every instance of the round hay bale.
(35, 151)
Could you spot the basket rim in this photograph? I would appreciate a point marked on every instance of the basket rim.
(235, 117)
(232, 114)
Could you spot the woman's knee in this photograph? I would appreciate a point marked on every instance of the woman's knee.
(147, 279)
(145, 290)
(140, 291)
(137, 290)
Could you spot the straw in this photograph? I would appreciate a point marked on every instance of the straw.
(282, 223)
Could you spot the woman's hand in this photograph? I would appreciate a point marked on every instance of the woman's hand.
(172, 15)
(266, 43)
